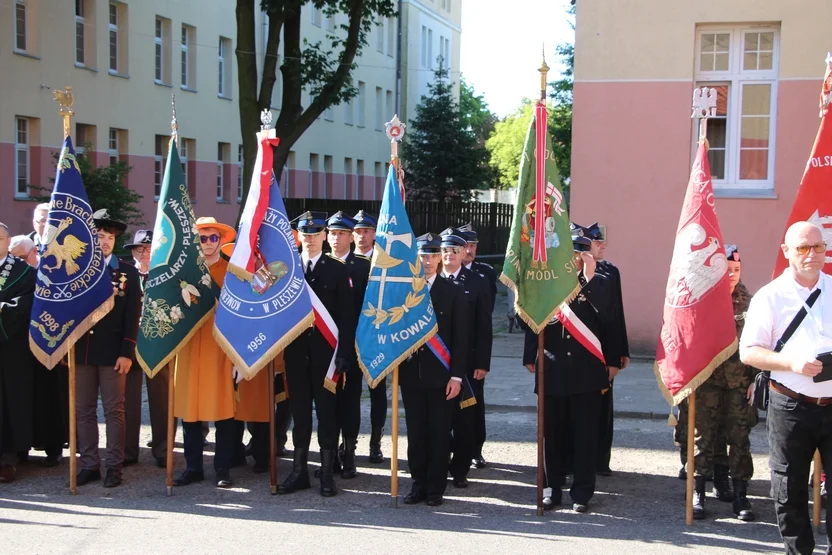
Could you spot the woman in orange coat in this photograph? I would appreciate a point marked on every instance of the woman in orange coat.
(204, 387)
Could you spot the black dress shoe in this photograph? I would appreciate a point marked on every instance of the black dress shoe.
(149, 444)
(52, 460)
(129, 462)
(414, 497)
(224, 479)
(161, 462)
(112, 479)
(479, 462)
(606, 472)
(461, 483)
(434, 501)
(260, 467)
(189, 477)
(282, 451)
(579, 507)
(86, 476)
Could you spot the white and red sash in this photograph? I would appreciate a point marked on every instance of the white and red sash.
(573, 324)
(326, 325)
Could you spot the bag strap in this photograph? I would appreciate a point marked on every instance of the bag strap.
(795, 323)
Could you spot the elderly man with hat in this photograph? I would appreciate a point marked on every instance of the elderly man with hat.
(204, 386)
(104, 356)
(452, 245)
(364, 236)
(722, 408)
(308, 357)
(430, 386)
(575, 378)
(157, 388)
(340, 229)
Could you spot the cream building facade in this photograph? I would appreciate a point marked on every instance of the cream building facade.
(123, 60)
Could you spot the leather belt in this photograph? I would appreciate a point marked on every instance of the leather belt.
(779, 388)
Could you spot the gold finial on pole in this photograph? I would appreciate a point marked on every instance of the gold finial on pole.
(704, 107)
(174, 125)
(65, 100)
(544, 69)
(395, 132)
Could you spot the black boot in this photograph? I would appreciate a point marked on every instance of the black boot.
(299, 477)
(722, 484)
(698, 497)
(348, 459)
(336, 465)
(742, 506)
(328, 488)
(376, 456)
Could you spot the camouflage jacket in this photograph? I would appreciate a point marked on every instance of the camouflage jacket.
(733, 372)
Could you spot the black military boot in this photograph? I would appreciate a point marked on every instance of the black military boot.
(336, 464)
(348, 470)
(328, 488)
(742, 506)
(299, 477)
(376, 456)
(698, 497)
(722, 484)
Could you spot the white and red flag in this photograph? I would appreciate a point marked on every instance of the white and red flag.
(814, 197)
(698, 332)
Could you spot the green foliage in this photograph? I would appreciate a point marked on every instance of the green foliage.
(506, 144)
(560, 117)
(441, 154)
(476, 116)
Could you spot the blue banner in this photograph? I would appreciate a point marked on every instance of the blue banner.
(396, 317)
(73, 290)
(260, 313)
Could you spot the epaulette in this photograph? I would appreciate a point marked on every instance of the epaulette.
(333, 257)
(361, 256)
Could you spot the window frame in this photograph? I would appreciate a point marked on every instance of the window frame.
(113, 137)
(221, 67)
(184, 44)
(240, 173)
(159, 162)
(221, 173)
(18, 32)
(112, 33)
(80, 20)
(159, 52)
(22, 148)
(736, 78)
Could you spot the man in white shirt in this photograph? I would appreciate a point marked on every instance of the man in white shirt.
(799, 418)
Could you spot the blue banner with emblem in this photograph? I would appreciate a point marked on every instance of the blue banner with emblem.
(397, 316)
(265, 303)
(73, 289)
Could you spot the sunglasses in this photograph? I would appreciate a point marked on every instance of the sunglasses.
(804, 249)
(141, 250)
(213, 238)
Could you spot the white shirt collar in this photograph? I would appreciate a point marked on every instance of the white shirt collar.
(430, 281)
(346, 254)
(468, 266)
(455, 274)
(314, 260)
(369, 253)
(107, 260)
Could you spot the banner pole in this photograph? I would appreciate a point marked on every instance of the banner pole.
(690, 469)
(816, 490)
(541, 459)
(171, 420)
(394, 457)
(73, 433)
(272, 439)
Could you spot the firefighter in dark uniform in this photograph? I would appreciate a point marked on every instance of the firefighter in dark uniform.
(487, 271)
(606, 268)
(104, 355)
(574, 380)
(479, 346)
(307, 358)
(430, 390)
(340, 229)
(364, 235)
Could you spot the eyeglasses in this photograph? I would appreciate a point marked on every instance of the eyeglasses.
(43, 221)
(804, 249)
(213, 238)
(141, 250)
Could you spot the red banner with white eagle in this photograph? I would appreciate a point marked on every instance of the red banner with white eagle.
(698, 331)
(814, 197)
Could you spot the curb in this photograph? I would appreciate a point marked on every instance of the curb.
(634, 414)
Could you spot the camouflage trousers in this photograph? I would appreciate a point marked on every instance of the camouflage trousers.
(723, 415)
(680, 438)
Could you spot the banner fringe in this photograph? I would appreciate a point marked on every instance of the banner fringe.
(151, 372)
(49, 361)
(697, 380)
(508, 282)
(374, 382)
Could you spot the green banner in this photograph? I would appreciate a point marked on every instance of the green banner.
(539, 287)
(179, 295)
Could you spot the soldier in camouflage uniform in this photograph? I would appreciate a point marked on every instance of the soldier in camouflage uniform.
(724, 397)
(680, 438)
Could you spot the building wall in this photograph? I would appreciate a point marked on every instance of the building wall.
(633, 139)
(340, 156)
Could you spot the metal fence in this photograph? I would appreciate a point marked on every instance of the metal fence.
(491, 220)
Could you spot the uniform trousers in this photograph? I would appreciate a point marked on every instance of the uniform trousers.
(89, 379)
(51, 408)
(226, 434)
(428, 416)
(306, 384)
(349, 404)
(795, 430)
(378, 404)
(462, 443)
(157, 400)
(576, 416)
(605, 430)
(282, 421)
(479, 416)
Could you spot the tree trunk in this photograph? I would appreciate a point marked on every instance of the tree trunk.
(247, 91)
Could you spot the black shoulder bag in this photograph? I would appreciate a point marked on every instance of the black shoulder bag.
(760, 400)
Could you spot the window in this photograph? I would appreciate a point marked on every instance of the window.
(224, 67)
(349, 176)
(388, 105)
(239, 173)
(430, 49)
(348, 112)
(84, 138)
(391, 35)
(380, 36)
(316, 16)
(445, 51)
(159, 163)
(424, 48)
(378, 182)
(329, 23)
(20, 26)
(379, 112)
(328, 114)
(184, 148)
(359, 178)
(314, 179)
(187, 48)
(740, 63)
(112, 145)
(362, 97)
(327, 176)
(223, 152)
(113, 30)
(79, 32)
(163, 51)
(21, 175)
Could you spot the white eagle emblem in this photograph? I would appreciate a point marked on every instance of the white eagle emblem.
(694, 272)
